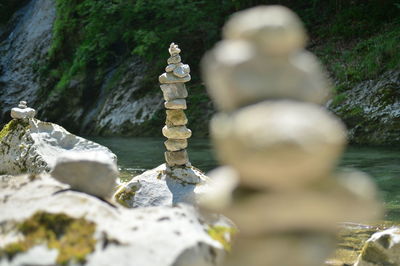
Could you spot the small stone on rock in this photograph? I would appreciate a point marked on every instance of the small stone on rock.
(90, 172)
(182, 71)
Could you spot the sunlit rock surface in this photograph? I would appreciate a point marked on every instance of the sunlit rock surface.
(382, 248)
(93, 232)
(163, 186)
(33, 146)
(371, 110)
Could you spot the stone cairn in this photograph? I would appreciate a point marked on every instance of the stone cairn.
(280, 147)
(175, 93)
(22, 111)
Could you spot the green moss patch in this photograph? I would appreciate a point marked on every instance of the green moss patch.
(73, 238)
(126, 195)
(223, 235)
(11, 126)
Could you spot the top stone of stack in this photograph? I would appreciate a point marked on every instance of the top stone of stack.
(262, 57)
(176, 71)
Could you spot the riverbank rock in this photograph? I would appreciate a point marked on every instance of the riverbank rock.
(87, 171)
(163, 186)
(33, 146)
(371, 110)
(40, 217)
(382, 248)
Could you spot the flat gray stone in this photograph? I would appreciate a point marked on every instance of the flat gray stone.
(90, 172)
(176, 104)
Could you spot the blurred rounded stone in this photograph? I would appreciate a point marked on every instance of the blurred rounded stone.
(279, 144)
(301, 249)
(176, 104)
(175, 158)
(90, 172)
(179, 132)
(176, 144)
(237, 75)
(318, 207)
(174, 91)
(275, 30)
(176, 118)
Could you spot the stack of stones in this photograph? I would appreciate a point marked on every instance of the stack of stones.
(175, 93)
(279, 144)
(22, 111)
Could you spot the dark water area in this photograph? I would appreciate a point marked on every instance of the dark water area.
(136, 155)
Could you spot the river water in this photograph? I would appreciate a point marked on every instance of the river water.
(136, 155)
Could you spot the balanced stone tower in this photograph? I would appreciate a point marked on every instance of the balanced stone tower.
(278, 145)
(175, 93)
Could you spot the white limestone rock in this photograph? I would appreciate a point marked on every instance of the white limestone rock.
(179, 132)
(173, 49)
(174, 91)
(162, 236)
(382, 248)
(163, 186)
(176, 104)
(33, 146)
(306, 137)
(22, 111)
(91, 172)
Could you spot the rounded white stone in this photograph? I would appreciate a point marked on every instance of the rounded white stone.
(279, 145)
(91, 172)
(237, 75)
(22, 113)
(176, 144)
(273, 29)
(171, 78)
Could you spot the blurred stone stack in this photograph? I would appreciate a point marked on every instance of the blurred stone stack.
(175, 93)
(278, 144)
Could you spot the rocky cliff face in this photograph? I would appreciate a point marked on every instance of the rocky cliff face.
(23, 45)
(371, 110)
(119, 105)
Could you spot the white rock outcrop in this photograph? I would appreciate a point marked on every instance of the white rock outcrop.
(162, 236)
(163, 186)
(31, 145)
(382, 248)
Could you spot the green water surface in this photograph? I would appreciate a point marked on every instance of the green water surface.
(136, 155)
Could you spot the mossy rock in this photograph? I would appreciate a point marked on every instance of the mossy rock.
(73, 238)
